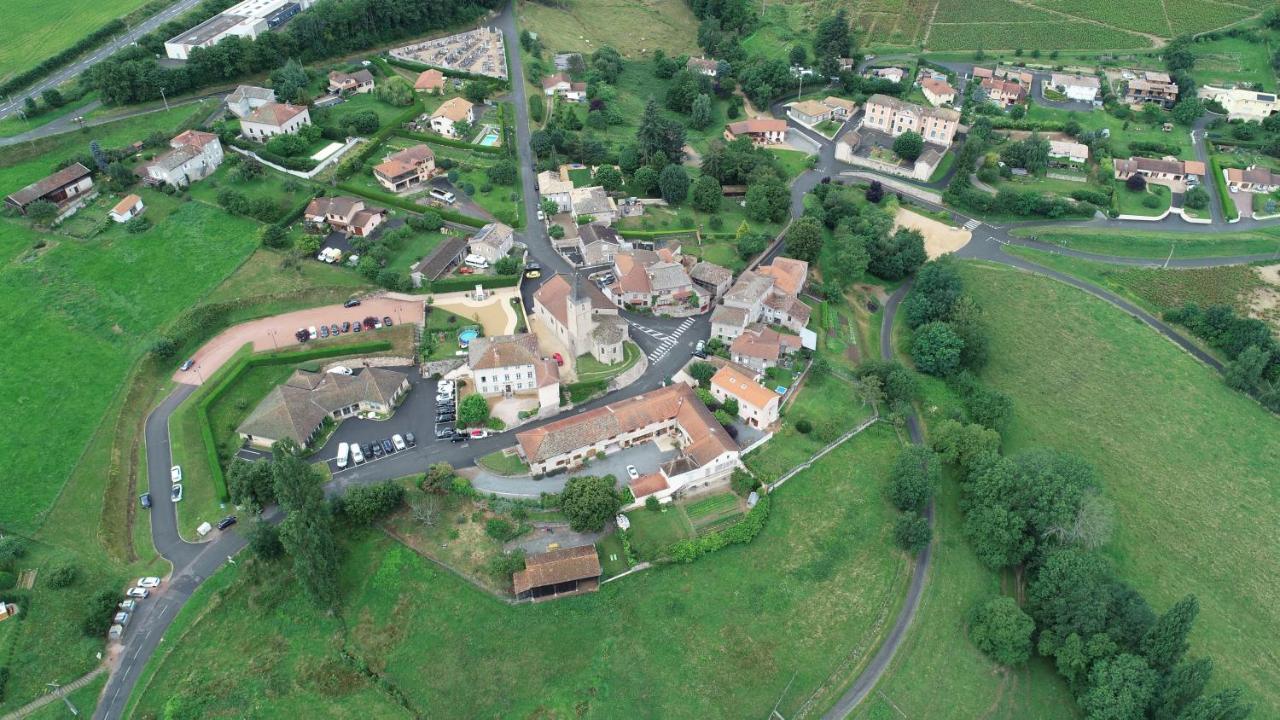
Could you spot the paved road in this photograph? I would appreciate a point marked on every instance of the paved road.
(104, 51)
(67, 123)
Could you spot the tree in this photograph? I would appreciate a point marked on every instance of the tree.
(362, 504)
(537, 108)
(477, 91)
(608, 63)
(1136, 183)
(875, 191)
(913, 477)
(659, 138)
(797, 54)
(556, 231)
(438, 479)
(1166, 641)
(1121, 687)
(609, 178)
(896, 256)
(290, 82)
(702, 372)
(706, 194)
(832, 39)
(1187, 110)
(804, 239)
(62, 576)
(934, 294)
(935, 349)
(849, 256)
(963, 446)
(502, 172)
(99, 611)
(768, 200)
(1196, 198)
(307, 531)
(274, 236)
(42, 212)
(912, 533)
(29, 107)
(52, 98)
(473, 411)
(700, 114)
(673, 182)
(99, 156)
(264, 540)
(589, 502)
(1246, 371)
(645, 180)
(908, 146)
(751, 244)
(897, 383)
(251, 484)
(1002, 631)
(395, 91)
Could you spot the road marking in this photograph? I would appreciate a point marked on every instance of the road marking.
(972, 225)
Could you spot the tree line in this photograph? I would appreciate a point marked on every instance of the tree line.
(1251, 349)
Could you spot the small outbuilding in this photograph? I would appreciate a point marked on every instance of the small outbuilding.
(127, 209)
(567, 571)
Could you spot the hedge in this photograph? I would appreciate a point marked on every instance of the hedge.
(1219, 180)
(375, 141)
(229, 374)
(450, 142)
(299, 164)
(83, 45)
(447, 72)
(740, 533)
(396, 201)
(454, 284)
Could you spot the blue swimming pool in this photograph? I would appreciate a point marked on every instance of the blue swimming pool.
(466, 336)
(489, 140)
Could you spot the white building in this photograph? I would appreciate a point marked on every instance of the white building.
(193, 155)
(1241, 104)
(127, 209)
(507, 365)
(247, 19)
(451, 112)
(1075, 87)
(492, 242)
(273, 119)
(247, 98)
(757, 405)
(553, 187)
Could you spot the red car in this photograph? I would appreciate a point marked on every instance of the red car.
(465, 271)
(559, 360)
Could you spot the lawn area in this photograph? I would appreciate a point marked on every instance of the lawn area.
(794, 162)
(1231, 60)
(652, 531)
(503, 463)
(632, 27)
(50, 26)
(613, 557)
(1128, 202)
(1060, 355)
(591, 370)
(15, 124)
(829, 404)
(802, 604)
(1129, 243)
(84, 700)
(279, 288)
(334, 116)
(1121, 136)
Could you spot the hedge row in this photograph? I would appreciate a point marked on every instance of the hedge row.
(740, 533)
(352, 163)
(228, 375)
(1220, 181)
(299, 164)
(450, 142)
(83, 45)
(447, 72)
(454, 284)
(397, 201)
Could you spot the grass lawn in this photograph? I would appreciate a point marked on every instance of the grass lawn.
(653, 531)
(632, 27)
(1129, 202)
(334, 116)
(15, 124)
(802, 604)
(613, 557)
(502, 201)
(829, 404)
(280, 289)
(1130, 243)
(1120, 135)
(794, 162)
(503, 463)
(591, 370)
(1231, 60)
(84, 700)
(48, 27)
(1181, 528)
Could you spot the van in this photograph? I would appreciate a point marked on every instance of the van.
(444, 195)
(344, 450)
(476, 261)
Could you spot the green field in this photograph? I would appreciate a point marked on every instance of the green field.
(48, 27)
(671, 642)
(829, 418)
(1231, 60)
(1123, 132)
(1158, 245)
(632, 27)
(1129, 202)
(1196, 511)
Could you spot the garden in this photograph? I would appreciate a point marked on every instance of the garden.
(1141, 198)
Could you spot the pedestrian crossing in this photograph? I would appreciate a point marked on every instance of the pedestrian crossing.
(667, 341)
(972, 225)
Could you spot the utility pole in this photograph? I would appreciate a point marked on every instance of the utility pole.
(165, 99)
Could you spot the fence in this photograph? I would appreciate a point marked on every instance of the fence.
(818, 455)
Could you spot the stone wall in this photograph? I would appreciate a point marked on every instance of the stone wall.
(441, 367)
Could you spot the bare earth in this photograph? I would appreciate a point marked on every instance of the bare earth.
(939, 238)
(1264, 302)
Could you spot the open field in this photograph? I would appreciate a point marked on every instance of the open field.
(1181, 527)
(632, 27)
(671, 642)
(49, 26)
(1232, 60)
(1158, 245)
(829, 403)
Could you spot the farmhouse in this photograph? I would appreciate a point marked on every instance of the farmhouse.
(1169, 171)
(247, 19)
(298, 408)
(559, 85)
(492, 242)
(129, 207)
(446, 255)
(69, 189)
(510, 364)
(271, 119)
(593, 202)
(1253, 179)
(1241, 104)
(757, 405)
(450, 113)
(406, 169)
(360, 81)
(702, 66)
(193, 155)
(892, 74)
(768, 294)
(566, 571)
(1075, 87)
(760, 347)
(1068, 150)
(429, 81)
(344, 214)
(1003, 92)
(938, 92)
(706, 451)
(581, 317)
(761, 131)
(893, 116)
(247, 98)
(552, 186)
(1151, 87)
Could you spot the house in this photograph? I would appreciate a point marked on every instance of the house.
(247, 98)
(559, 85)
(893, 116)
(712, 278)
(439, 261)
(129, 207)
(193, 155)
(757, 405)
(69, 189)
(760, 347)
(1151, 87)
(1068, 150)
(344, 214)
(298, 408)
(938, 92)
(406, 169)
(551, 186)
(645, 279)
(789, 275)
(761, 131)
(566, 571)
(768, 294)
(707, 453)
(582, 318)
(1253, 179)
(247, 19)
(1169, 171)
(429, 81)
(892, 74)
(450, 113)
(809, 112)
(598, 244)
(360, 81)
(1005, 93)
(981, 73)
(702, 66)
(593, 202)
(509, 364)
(492, 242)
(1076, 87)
(841, 109)
(1241, 104)
(267, 121)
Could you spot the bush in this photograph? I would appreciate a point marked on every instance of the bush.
(501, 530)
(804, 427)
(362, 504)
(742, 532)
(743, 482)
(1152, 202)
(12, 550)
(63, 576)
(651, 504)
(1002, 631)
(1136, 183)
(912, 533)
(137, 225)
(7, 580)
(99, 612)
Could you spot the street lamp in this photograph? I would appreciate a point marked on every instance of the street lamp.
(272, 333)
(199, 374)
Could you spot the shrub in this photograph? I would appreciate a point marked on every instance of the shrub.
(1002, 631)
(651, 504)
(804, 427)
(743, 482)
(912, 533)
(500, 529)
(744, 531)
(1152, 202)
(12, 550)
(7, 580)
(63, 576)
(1136, 183)
(99, 612)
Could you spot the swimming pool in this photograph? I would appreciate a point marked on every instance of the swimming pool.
(466, 336)
(489, 140)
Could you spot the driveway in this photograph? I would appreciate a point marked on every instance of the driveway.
(558, 534)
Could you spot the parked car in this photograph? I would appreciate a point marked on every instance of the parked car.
(145, 499)
(542, 215)
(460, 438)
(341, 370)
(443, 432)
(312, 332)
(387, 447)
(465, 271)
(398, 442)
(175, 493)
(175, 474)
(324, 331)
(150, 581)
(356, 327)
(533, 274)
(409, 438)
(386, 321)
(302, 335)
(357, 456)
(115, 632)
(479, 433)
(377, 450)
(187, 365)
(370, 322)
(632, 472)
(353, 302)
(128, 605)
(137, 592)
(346, 326)
(558, 358)
(121, 618)
(531, 265)
(445, 384)
(335, 330)
(368, 449)
(227, 522)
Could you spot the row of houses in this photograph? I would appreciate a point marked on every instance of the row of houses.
(592, 201)
(760, 298)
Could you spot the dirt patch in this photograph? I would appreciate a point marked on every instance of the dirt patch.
(939, 238)
(1264, 302)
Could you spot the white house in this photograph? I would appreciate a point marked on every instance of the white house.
(510, 364)
(127, 209)
(552, 187)
(492, 242)
(757, 405)
(271, 119)
(1241, 104)
(247, 98)
(451, 112)
(593, 202)
(1075, 87)
(193, 155)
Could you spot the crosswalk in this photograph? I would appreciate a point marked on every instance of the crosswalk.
(972, 225)
(667, 341)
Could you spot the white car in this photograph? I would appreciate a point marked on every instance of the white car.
(175, 493)
(341, 370)
(542, 215)
(444, 385)
(357, 455)
(128, 605)
(632, 472)
(398, 442)
(137, 592)
(149, 582)
(175, 474)
(314, 333)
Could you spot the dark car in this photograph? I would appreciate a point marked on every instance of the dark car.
(324, 331)
(444, 432)
(302, 335)
(370, 322)
(145, 499)
(187, 365)
(445, 418)
(409, 438)
(334, 330)
(351, 303)
(387, 447)
(226, 522)
(532, 266)
(368, 449)
(386, 321)
(346, 327)
(459, 438)
(377, 450)
(356, 327)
